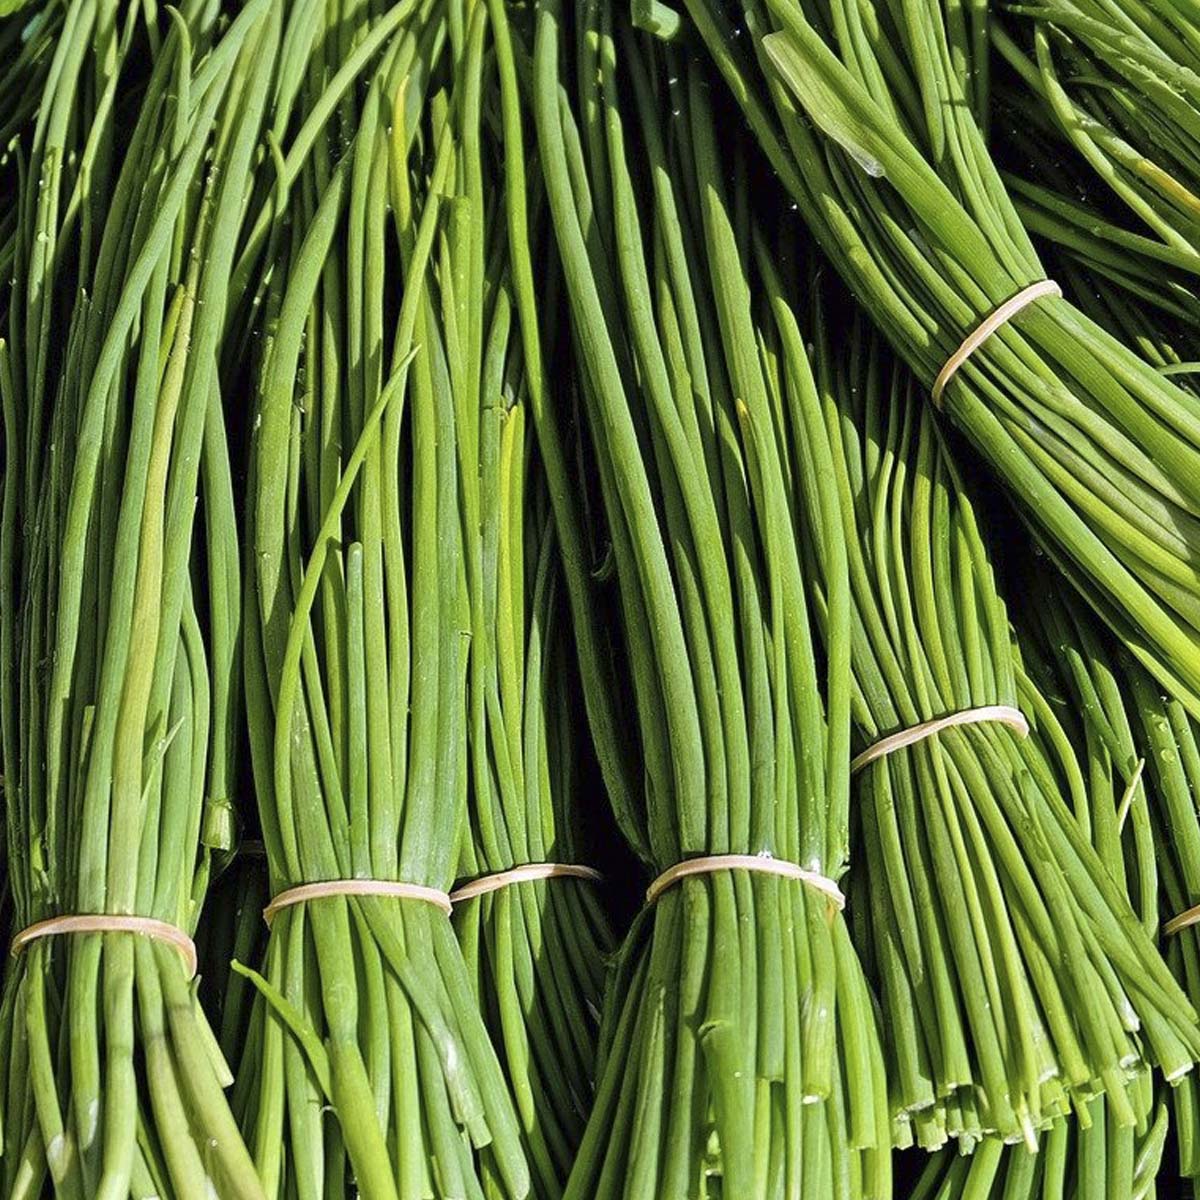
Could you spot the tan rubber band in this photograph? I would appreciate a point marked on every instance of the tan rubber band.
(763, 863)
(988, 326)
(355, 887)
(160, 931)
(523, 874)
(1185, 919)
(1014, 718)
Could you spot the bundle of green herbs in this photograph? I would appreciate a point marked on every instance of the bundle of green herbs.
(537, 947)
(119, 598)
(378, 326)
(549, 413)
(739, 1051)
(871, 116)
(1084, 715)
(1016, 981)
(1133, 723)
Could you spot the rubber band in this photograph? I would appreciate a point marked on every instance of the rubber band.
(1005, 714)
(984, 330)
(160, 931)
(324, 890)
(1188, 917)
(763, 863)
(523, 874)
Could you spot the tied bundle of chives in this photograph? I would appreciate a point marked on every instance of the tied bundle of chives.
(536, 947)
(357, 645)
(872, 131)
(1159, 732)
(739, 1052)
(1015, 979)
(119, 629)
(1085, 718)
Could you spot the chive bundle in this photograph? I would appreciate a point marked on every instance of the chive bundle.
(535, 949)
(739, 1051)
(1089, 728)
(1129, 720)
(896, 183)
(358, 622)
(1148, 823)
(118, 619)
(1015, 980)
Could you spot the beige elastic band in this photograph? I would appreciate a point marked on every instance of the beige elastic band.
(355, 887)
(160, 931)
(523, 874)
(1189, 917)
(762, 863)
(1014, 718)
(988, 326)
